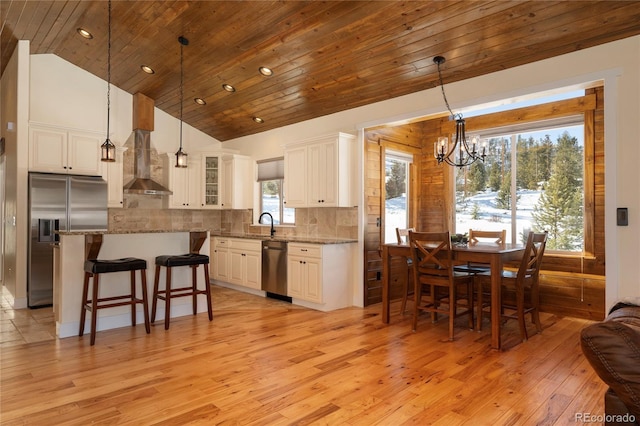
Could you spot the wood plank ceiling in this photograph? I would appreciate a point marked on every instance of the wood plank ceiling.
(326, 56)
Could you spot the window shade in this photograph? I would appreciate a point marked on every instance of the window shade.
(271, 169)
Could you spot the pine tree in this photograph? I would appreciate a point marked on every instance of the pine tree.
(396, 181)
(560, 207)
(477, 177)
(503, 199)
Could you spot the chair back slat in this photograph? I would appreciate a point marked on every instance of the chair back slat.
(403, 234)
(499, 237)
(431, 253)
(532, 258)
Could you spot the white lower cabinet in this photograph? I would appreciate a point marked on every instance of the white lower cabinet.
(319, 276)
(219, 259)
(238, 261)
(304, 272)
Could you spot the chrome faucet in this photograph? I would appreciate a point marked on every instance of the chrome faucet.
(273, 231)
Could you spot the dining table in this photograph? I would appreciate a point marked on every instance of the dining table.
(493, 254)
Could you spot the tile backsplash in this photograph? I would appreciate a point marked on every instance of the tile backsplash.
(143, 213)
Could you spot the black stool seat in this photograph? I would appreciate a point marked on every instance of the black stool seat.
(114, 265)
(182, 260)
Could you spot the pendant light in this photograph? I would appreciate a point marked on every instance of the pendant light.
(108, 149)
(181, 156)
(460, 153)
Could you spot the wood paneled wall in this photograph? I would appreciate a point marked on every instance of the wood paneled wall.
(407, 138)
(570, 284)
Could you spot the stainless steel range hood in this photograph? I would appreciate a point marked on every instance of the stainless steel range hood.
(142, 182)
(142, 127)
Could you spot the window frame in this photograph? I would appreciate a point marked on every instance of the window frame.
(406, 157)
(272, 170)
(584, 105)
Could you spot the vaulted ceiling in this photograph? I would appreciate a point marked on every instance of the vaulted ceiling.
(326, 56)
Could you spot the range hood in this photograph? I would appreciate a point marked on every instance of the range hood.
(142, 128)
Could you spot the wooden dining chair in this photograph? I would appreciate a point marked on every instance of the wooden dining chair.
(407, 289)
(524, 283)
(433, 270)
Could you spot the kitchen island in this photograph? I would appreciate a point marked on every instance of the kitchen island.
(69, 260)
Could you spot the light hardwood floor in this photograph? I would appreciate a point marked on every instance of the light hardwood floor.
(267, 362)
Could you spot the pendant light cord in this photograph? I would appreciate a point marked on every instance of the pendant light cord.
(109, 70)
(181, 89)
(446, 102)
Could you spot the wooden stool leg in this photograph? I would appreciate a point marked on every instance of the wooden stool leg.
(94, 308)
(145, 303)
(133, 298)
(154, 302)
(208, 290)
(83, 311)
(167, 299)
(194, 288)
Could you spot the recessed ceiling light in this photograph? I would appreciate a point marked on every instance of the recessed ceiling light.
(84, 33)
(199, 101)
(258, 120)
(228, 87)
(147, 69)
(266, 71)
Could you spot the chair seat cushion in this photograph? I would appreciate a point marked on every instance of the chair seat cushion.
(182, 260)
(114, 265)
(505, 274)
(472, 268)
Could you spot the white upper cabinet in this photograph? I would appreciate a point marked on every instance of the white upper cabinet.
(321, 172)
(184, 183)
(237, 182)
(59, 150)
(210, 177)
(295, 177)
(227, 181)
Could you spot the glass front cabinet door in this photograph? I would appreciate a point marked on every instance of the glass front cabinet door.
(211, 169)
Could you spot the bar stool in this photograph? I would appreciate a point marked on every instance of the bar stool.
(193, 260)
(93, 268)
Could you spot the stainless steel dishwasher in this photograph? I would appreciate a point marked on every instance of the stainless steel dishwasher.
(274, 269)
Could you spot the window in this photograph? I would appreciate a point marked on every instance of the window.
(271, 178)
(542, 163)
(396, 193)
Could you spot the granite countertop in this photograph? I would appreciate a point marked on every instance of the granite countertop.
(289, 239)
(103, 232)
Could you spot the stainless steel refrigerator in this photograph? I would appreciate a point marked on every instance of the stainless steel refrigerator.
(65, 203)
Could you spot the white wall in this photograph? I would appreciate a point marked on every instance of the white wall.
(620, 72)
(65, 95)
